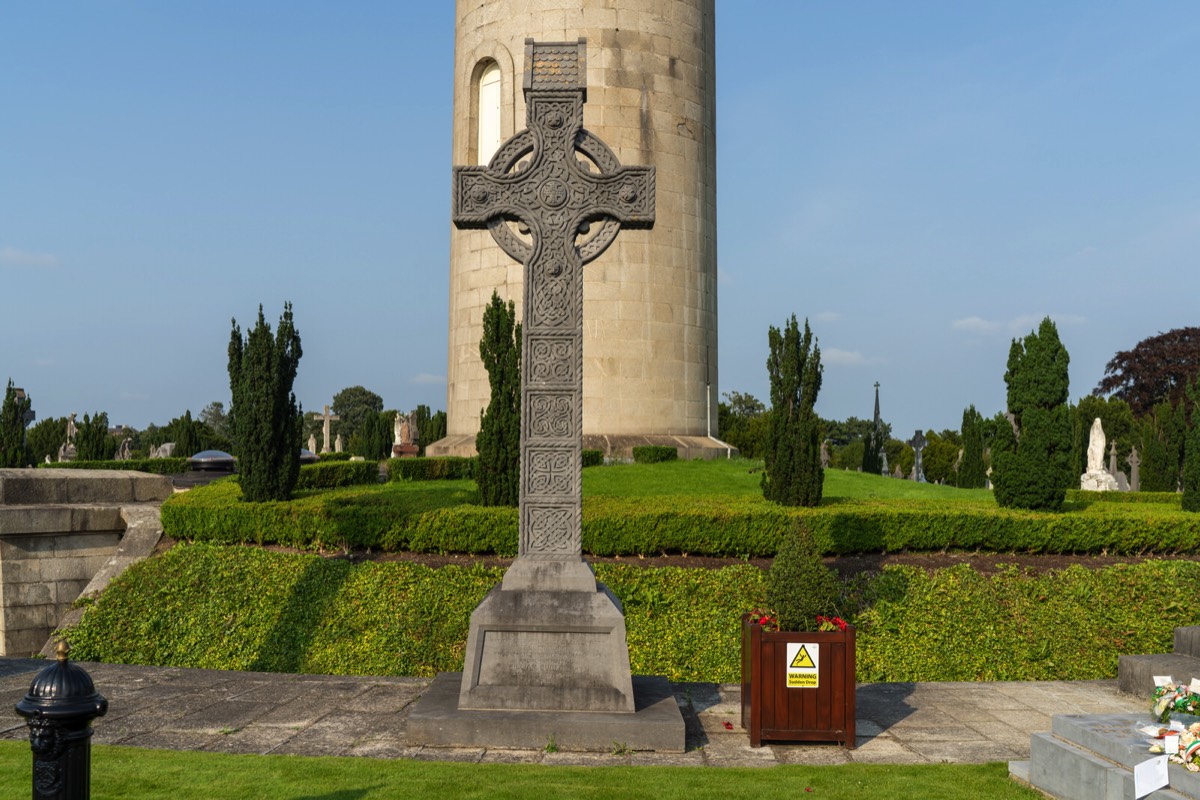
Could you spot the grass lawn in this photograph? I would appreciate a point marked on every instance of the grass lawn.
(742, 478)
(127, 773)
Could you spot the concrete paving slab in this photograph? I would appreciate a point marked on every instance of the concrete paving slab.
(501, 756)
(369, 716)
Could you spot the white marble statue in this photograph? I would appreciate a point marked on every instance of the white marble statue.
(1097, 478)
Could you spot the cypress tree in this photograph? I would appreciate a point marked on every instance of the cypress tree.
(13, 452)
(266, 418)
(1160, 465)
(1191, 450)
(1031, 465)
(92, 442)
(792, 475)
(972, 473)
(498, 470)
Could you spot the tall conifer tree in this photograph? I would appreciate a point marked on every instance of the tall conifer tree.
(266, 418)
(1191, 452)
(13, 452)
(1031, 459)
(498, 471)
(972, 473)
(793, 474)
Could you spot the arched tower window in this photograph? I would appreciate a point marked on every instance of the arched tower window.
(489, 113)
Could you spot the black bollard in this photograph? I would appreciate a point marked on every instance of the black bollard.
(59, 709)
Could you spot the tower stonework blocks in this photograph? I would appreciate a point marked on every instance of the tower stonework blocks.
(650, 302)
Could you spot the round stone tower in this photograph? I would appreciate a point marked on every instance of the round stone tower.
(650, 301)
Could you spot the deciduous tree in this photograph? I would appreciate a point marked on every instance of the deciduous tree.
(1156, 369)
(266, 416)
(742, 420)
(353, 405)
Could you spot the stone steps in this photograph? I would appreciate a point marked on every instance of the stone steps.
(1135, 674)
(1092, 756)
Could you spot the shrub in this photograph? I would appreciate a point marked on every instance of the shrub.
(654, 454)
(439, 517)
(334, 456)
(331, 474)
(156, 466)
(302, 613)
(799, 585)
(593, 458)
(430, 468)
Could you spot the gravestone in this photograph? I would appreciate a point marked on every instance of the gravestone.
(550, 638)
(326, 419)
(917, 443)
(1135, 478)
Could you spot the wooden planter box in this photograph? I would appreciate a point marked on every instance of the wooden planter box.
(820, 704)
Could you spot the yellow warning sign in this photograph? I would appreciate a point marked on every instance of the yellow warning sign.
(803, 659)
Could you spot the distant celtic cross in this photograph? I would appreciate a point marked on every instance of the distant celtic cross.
(554, 198)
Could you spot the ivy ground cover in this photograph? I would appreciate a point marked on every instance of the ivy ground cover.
(248, 608)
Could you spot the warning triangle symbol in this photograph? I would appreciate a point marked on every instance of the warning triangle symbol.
(802, 659)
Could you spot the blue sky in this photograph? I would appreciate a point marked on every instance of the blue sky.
(921, 180)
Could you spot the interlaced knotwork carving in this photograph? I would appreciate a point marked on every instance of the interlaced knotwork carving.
(552, 360)
(551, 416)
(549, 531)
(568, 190)
(550, 471)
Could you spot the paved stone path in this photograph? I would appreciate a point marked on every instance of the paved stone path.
(254, 712)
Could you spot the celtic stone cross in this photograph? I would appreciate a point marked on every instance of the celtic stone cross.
(553, 197)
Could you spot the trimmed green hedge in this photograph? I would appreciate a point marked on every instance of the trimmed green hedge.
(593, 458)
(155, 466)
(437, 468)
(251, 609)
(441, 517)
(334, 456)
(654, 454)
(1079, 496)
(334, 473)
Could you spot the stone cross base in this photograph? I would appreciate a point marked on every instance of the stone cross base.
(541, 650)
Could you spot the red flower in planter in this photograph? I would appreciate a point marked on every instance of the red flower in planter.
(765, 620)
(830, 623)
